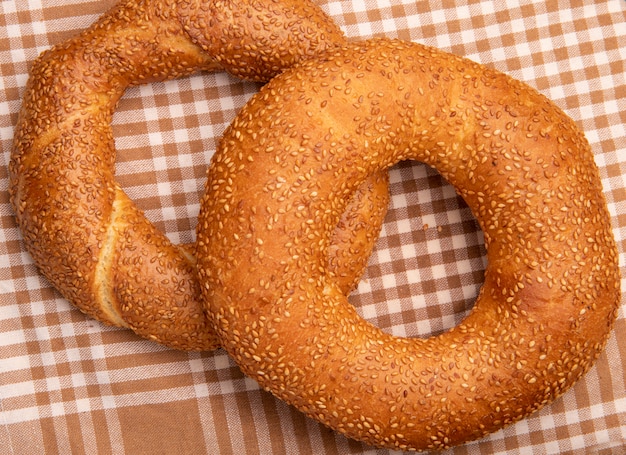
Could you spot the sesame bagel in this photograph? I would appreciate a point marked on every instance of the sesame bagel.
(551, 286)
(84, 233)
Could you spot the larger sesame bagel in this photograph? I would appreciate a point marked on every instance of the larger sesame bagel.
(551, 285)
(85, 234)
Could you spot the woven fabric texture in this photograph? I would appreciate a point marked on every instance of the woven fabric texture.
(71, 385)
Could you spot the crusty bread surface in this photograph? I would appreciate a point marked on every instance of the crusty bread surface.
(551, 287)
(83, 232)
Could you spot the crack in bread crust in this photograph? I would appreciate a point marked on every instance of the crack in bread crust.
(103, 283)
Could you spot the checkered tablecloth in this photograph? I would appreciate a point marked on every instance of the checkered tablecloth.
(71, 385)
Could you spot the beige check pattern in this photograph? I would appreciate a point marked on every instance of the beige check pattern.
(71, 385)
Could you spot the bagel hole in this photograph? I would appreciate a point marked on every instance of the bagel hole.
(428, 265)
(165, 135)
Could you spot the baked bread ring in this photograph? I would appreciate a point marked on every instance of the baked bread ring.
(551, 288)
(87, 237)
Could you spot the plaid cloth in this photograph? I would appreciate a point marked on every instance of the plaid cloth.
(71, 385)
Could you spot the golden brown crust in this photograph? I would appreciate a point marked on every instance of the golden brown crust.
(83, 232)
(551, 286)
(356, 233)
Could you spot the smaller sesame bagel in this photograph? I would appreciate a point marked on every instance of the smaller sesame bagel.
(551, 288)
(84, 233)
